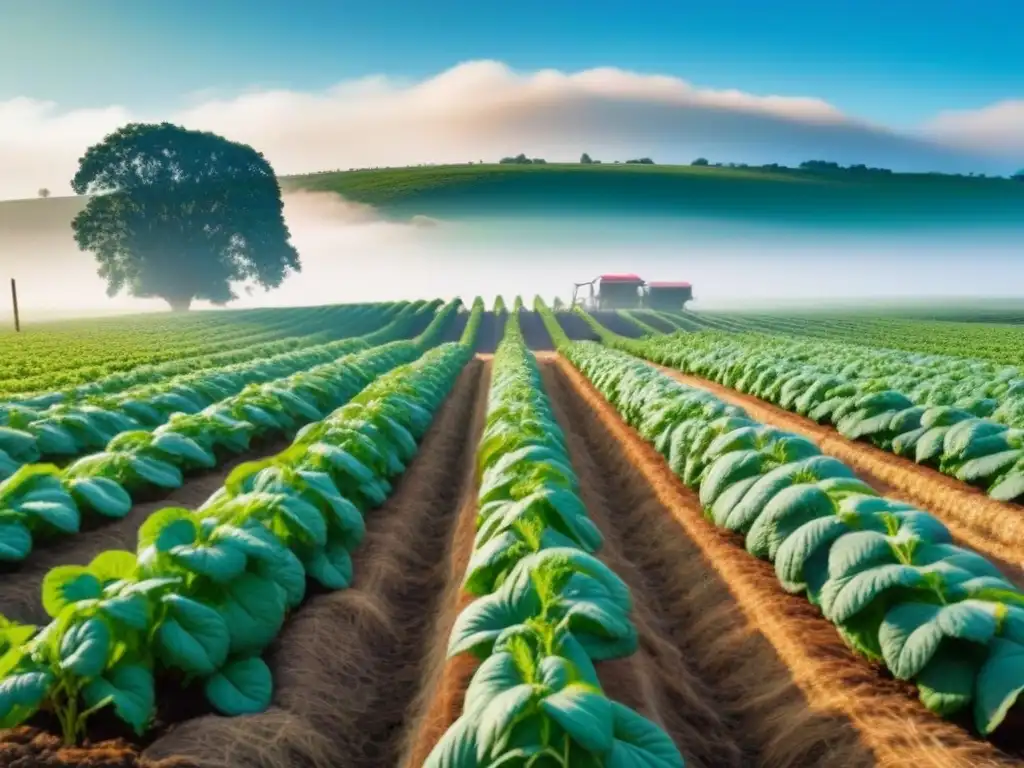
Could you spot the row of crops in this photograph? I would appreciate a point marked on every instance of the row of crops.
(965, 419)
(152, 444)
(546, 608)
(999, 343)
(52, 370)
(61, 425)
(206, 591)
(195, 607)
(55, 356)
(884, 573)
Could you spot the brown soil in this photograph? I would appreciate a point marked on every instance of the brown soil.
(698, 662)
(443, 691)
(535, 334)
(32, 748)
(656, 321)
(619, 324)
(492, 326)
(347, 666)
(20, 590)
(767, 680)
(993, 528)
(575, 327)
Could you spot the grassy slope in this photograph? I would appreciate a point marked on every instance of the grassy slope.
(802, 197)
(390, 185)
(652, 189)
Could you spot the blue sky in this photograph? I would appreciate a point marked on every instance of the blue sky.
(912, 85)
(893, 61)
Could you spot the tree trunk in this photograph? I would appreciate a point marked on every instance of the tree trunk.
(180, 305)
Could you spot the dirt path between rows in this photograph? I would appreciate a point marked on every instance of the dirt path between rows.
(722, 644)
(535, 334)
(443, 689)
(348, 664)
(718, 689)
(977, 522)
(21, 589)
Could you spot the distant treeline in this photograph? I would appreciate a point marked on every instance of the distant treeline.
(814, 166)
(826, 166)
(585, 159)
(522, 159)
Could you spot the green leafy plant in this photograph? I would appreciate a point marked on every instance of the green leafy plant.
(208, 590)
(546, 608)
(963, 417)
(886, 574)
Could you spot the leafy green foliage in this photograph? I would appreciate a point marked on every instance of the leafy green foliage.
(963, 417)
(138, 460)
(181, 214)
(206, 591)
(546, 608)
(886, 574)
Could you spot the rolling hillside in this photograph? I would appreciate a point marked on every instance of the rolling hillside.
(823, 198)
(828, 198)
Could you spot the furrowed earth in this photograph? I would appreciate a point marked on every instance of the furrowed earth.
(565, 498)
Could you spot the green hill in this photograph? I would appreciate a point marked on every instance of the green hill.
(384, 186)
(820, 197)
(834, 198)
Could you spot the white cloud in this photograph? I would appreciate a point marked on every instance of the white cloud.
(40, 146)
(996, 128)
(483, 110)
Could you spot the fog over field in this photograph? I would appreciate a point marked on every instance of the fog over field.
(352, 253)
(736, 252)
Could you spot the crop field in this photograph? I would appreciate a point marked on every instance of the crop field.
(999, 342)
(428, 534)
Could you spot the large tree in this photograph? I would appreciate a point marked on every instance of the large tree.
(181, 215)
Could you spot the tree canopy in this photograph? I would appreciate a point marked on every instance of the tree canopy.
(522, 159)
(181, 215)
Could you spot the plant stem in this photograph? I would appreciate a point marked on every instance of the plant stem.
(67, 715)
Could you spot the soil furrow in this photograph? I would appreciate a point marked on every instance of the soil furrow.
(616, 323)
(768, 664)
(348, 663)
(993, 528)
(653, 319)
(535, 334)
(658, 681)
(717, 688)
(575, 327)
(443, 688)
(492, 326)
(20, 590)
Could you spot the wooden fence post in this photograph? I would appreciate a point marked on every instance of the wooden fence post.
(14, 298)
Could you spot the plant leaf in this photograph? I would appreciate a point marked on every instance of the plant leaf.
(21, 695)
(193, 637)
(130, 689)
(253, 609)
(85, 648)
(102, 495)
(15, 542)
(68, 584)
(242, 687)
(585, 715)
